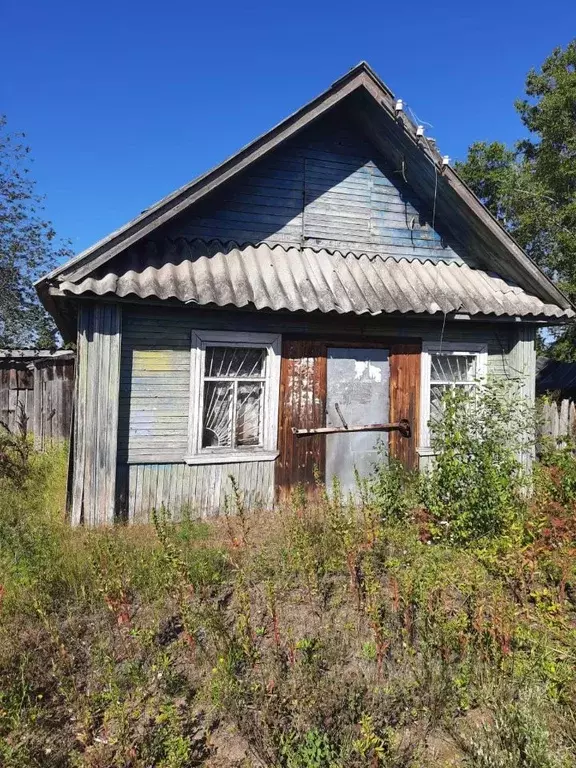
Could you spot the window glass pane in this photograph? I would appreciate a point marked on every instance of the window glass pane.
(248, 413)
(230, 362)
(436, 394)
(217, 416)
(447, 367)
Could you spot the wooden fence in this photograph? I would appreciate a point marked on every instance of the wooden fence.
(36, 394)
(557, 418)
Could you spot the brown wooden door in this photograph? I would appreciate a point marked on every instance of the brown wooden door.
(302, 405)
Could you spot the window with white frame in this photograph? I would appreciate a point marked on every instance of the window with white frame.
(446, 366)
(233, 397)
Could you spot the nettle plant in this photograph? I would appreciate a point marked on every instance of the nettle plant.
(476, 487)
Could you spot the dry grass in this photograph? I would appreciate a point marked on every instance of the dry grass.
(316, 636)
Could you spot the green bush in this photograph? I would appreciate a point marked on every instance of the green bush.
(392, 489)
(311, 750)
(557, 471)
(15, 451)
(475, 487)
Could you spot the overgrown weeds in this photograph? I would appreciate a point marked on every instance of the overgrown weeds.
(328, 633)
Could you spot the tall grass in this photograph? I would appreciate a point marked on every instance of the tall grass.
(319, 635)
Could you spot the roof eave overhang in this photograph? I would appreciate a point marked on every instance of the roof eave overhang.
(56, 295)
(54, 303)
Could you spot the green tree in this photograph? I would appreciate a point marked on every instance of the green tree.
(531, 187)
(28, 248)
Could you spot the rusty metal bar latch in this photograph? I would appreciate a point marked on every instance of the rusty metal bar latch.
(402, 426)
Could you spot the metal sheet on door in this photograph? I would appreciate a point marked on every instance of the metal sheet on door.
(357, 393)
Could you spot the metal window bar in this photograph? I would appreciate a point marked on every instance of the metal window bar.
(214, 417)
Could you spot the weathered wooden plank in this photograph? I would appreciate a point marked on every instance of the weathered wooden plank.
(131, 491)
(37, 420)
(302, 404)
(522, 365)
(80, 441)
(96, 432)
(405, 400)
(4, 396)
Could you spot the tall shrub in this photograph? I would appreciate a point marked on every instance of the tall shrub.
(474, 488)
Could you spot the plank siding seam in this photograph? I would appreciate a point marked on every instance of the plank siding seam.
(192, 489)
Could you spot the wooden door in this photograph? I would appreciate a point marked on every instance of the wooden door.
(307, 400)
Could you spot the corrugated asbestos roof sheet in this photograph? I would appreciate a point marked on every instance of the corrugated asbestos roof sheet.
(290, 278)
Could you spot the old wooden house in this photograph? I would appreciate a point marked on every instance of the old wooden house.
(334, 274)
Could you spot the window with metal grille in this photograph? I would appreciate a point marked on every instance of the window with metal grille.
(446, 366)
(449, 370)
(234, 384)
(234, 396)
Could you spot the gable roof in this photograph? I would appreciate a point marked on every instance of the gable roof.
(394, 135)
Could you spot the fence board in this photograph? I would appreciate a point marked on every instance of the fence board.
(558, 420)
(36, 395)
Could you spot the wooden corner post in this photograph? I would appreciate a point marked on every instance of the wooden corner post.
(96, 414)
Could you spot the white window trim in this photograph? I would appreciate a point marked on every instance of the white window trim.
(452, 347)
(268, 451)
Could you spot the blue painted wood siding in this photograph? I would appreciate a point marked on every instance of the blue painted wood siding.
(327, 188)
(154, 399)
(154, 389)
(155, 368)
(197, 490)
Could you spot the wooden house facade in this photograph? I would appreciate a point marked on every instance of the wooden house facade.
(290, 314)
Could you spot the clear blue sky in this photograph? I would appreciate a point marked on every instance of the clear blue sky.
(123, 102)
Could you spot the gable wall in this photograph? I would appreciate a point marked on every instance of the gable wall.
(326, 188)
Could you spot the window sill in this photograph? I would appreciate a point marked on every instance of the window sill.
(231, 458)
